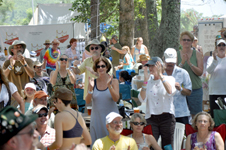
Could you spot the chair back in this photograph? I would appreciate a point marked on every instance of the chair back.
(178, 135)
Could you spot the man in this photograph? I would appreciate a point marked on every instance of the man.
(183, 85)
(43, 51)
(16, 132)
(51, 56)
(116, 51)
(114, 140)
(18, 69)
(38, 70)
(95, 48)
(40, 98)
(222, 31)
(47, 133)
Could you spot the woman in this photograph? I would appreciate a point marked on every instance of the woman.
(103, 92)
(138, 49)
(192, 61)
(125, 78)
(69, 125)
(71, 52)
(216, 68)
(29, 92)
(63, 76)
(158, 91)
(204, 124)
(144, 141)
(196, 46)
(128, 59)
(85, 55)
(8, 90)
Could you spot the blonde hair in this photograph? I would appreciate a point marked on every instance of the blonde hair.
(206, 114)
(127, 49)
(138, 115)
(188, 34)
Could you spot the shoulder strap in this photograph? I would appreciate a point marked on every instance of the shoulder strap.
(71, 114)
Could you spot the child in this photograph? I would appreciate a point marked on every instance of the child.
(29, 92)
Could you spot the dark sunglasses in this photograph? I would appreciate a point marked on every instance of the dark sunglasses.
(41, 115)
(47, 44)
(186, 40)
(62, 59)
(138, 123)
(221, 45)
(30, 133)
(92, 48)
(102, 66)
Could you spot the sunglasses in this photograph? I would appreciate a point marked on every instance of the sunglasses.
(138, 123)
(221, 45)
(41, 115)
(102, 66)
(47, 44)
(96, 48)
(30, 133)
(186, 40)
(62, 59)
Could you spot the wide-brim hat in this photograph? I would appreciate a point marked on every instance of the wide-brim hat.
(17, 42)
(95, 42)
(222, 30)
(143, 57)
(38, 63)
(12, 121)
(47, 42)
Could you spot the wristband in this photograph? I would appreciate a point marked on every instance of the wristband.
(25, 65)
(145, 82)
(90, 92)
(144, 87)
(163, 81)
(192, 65)
(67, 68)
(10, 67)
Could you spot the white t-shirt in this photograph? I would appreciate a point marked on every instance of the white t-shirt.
(157, 99)
(4, 95)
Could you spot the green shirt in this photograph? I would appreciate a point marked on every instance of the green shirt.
(115, 55)
(196, 80)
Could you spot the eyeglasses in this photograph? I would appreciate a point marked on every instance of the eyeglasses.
(138, 123)
(221, 45)
(62, 59)
(188, 40)
(116, 122)
(96, 48)
(102, 66)
(30, 132)
(205, 121)
(41, 115)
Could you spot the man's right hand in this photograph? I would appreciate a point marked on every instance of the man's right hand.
(76, 62)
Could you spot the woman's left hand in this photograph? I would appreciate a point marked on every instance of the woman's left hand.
(110, 80)
(67, 66)
(158, 65)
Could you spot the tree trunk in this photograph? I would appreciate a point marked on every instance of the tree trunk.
(167, 36)
(126, 22)
(95, 30)
(141, 27)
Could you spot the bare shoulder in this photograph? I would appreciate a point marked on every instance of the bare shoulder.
(149, 137)
(198, 54)
(114, 81)
(217, 135)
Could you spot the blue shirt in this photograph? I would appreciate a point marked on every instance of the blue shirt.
(182, 77)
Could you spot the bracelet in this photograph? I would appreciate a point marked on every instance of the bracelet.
(181, 65)
(161, 77)
(145, 82)
(90, 92)
(10, 67)
(111, 87)
(144, 87)
(25, 65)
(163, 81)
(67, 68)
(192, 65)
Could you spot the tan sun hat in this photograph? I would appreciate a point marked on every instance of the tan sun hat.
(47, 42)
(222, 30)
(17, 42)
(37, 63)
(95, 42)
(143, 57)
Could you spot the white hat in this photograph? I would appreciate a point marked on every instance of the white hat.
(170, 55)
(33, 53)
(221, 41)
(30, 85)
(111, 116)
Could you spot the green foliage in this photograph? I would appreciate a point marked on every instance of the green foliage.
(6, 6)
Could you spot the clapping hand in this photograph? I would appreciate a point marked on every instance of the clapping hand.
(91, 84)
(76, 62)
(110, 80)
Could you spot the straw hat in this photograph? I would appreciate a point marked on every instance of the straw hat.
(222, 30)
(95, 42)
(17, 42)
(47, 42)
(143, 57)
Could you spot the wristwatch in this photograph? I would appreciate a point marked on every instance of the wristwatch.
(25, 65)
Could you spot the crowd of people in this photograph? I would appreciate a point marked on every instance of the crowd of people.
(38, 103)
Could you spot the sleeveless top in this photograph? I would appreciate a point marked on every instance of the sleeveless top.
(76, 131)
(137, 52)
(143, 144)
(210, 144)
(130, 66)
(196, 80)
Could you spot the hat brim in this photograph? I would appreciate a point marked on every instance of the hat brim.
(150, 62)
(11, 46)
(101, 45)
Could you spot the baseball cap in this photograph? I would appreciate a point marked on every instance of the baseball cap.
(63, 94)
(30, 85)
(38, 108)
(12, 121)
(221, 41)
(153, 61)
(170, 55)
(39, 94)
(111, 116)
